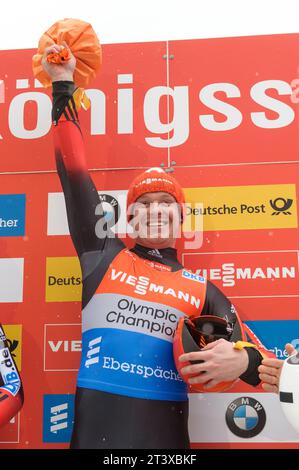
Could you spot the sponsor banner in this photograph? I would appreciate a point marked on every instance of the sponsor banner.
(12, 215)
(62, 347)
(63, 280)
(141, 327)
(239, 100)
(250, 273)
(240, 112)
(232, 417)
(124, 127)
(114, 207)
(276, 333)
(222, 208)
(133, 371)
(10, 433)
(230, 123)
(58, 418)
(13, 335)
(131, 314)
(11, 275)
(187, 296)
(243, 207)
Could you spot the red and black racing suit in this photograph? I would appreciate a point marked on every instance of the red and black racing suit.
(11, 390)
(129, 393)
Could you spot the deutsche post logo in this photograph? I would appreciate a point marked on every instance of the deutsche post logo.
(63, 280)
(281, 206)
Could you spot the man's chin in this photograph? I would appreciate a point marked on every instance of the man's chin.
(156, 242)
(162, 234)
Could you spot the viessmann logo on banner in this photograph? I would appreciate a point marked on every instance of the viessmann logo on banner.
(62, 347)
(63, 280)
(253, 273)
(12, 211)
(243, 207)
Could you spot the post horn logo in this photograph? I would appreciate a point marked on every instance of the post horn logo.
(281, 206)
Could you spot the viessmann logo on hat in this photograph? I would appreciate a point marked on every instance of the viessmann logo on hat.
(154, 180)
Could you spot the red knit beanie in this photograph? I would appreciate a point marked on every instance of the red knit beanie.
(155, 180)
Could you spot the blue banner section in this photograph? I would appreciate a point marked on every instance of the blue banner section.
(131, 364)
(275, 334)
(58, 418)
(12, 215)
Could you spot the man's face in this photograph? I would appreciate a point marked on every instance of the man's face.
(156, 219)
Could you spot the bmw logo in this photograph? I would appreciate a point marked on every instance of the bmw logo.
(245, 417)
(111, 209)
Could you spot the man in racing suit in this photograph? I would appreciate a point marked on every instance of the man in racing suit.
(129, 393)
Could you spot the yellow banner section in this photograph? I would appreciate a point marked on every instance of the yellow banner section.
(241, 207)
(63, 280)
(13, 335)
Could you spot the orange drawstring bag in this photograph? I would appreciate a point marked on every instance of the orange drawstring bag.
(84, 44)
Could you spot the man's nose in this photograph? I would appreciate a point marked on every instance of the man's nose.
(155, 209)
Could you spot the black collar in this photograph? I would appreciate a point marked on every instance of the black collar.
(166, 256)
